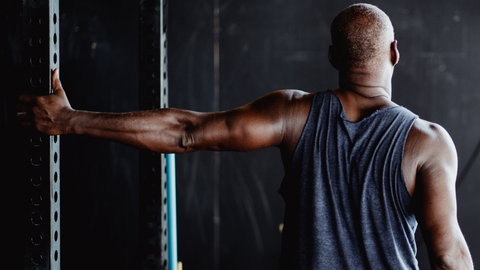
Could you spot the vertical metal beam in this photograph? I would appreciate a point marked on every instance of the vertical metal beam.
(153, 87)
(164, 104)
(41, 152)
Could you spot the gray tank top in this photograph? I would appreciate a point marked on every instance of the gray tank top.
(346, 202)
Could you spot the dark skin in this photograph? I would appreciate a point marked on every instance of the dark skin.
(277, 119)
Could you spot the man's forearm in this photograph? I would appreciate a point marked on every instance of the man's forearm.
(157, 130)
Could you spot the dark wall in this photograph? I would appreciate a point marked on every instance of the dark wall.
(265, 45)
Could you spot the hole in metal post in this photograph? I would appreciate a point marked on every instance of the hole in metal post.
(55, 197)
(37, 258)
(37, 239)
(55, 177)
(150, 44)
(35, 61)
(151, 90)
(35, 81)
(150, 28)
(56, 255)
(151, 217)
(150, 75)
(55, 216)
(36, 200)
(54, 58)
(36, 20)
(54, 38)
(36, 141)
(36, 180)
(55, 18)
(56, 236)
(36, 219)
(150, 59)
(36, 161)
(35, 41)
(151, 202)
(55, 157)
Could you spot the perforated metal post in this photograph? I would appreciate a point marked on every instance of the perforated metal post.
(153, 87)
(41, 152)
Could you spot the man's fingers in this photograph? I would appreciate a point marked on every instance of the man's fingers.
(26, 124)
(24, 119)
(22, 107)
(56, 83)
(27, 98)
(23, 116)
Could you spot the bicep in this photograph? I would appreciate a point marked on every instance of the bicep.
(436, 208)
(254, 126)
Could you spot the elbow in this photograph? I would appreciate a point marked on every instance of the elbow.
(445, 262)
(187, 142)
(457, 260)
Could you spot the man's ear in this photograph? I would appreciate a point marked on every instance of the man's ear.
(394, 53)
(332, 57)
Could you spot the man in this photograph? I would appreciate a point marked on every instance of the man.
(360, 170)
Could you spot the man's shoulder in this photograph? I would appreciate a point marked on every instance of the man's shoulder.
(290, 102)
(428, 131)
(431, 140)
(291, 94)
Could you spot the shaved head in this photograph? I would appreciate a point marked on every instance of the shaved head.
(361, 36)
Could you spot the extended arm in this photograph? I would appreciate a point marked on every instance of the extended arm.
(435, 199)
(253, 126)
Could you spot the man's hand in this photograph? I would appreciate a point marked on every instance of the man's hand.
(48, 114)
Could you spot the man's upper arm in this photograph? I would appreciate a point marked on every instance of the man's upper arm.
(435, 199)
(259, 124)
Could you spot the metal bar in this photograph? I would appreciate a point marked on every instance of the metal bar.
(40, 52)
(164, 104)
(153, 87)
(172, 212)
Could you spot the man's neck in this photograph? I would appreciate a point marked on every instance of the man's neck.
(367, 84)
(362, 93)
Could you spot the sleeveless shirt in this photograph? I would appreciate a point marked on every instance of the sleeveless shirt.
(346, 202)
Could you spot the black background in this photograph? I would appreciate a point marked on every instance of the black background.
(265, 45)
